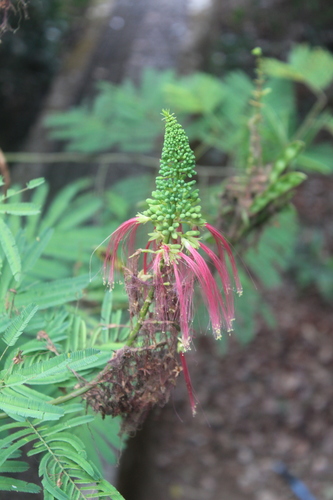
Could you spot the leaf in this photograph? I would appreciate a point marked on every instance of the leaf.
(28, 392)
(279, 117)
(77, 334)
(68, 424)
(38, 198)
(62, 438)
(106, 314)
(311, 66)
(56, 369)
(276, 246)
(61, 202)
(4, 322)
(18, 324)
(197, 93)
(35, 183)
(14, 466)
(107, 489)
(317, 158)
(10, 438)
(53, 489)
(12, 425)
(36, 249)
(53, 293)
(12, 449)
(84, 211)
(10, 249)
(10, 484)
(25, 407)
(19, 208)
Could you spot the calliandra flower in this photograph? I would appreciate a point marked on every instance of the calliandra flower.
(174, 259)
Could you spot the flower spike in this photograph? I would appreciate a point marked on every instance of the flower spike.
(160, 278)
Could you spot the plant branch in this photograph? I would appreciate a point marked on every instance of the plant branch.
(105, 158)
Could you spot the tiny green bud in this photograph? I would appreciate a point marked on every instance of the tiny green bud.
(257, 52)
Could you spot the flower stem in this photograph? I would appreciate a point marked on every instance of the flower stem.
(142, 315)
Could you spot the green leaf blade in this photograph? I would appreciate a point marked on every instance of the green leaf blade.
(10, 484)
(10, 249)
(19, 208)
(24, 407)
(18, 325)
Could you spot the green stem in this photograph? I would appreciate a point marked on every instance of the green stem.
(105, 158)
(141, 318)
(145, 307)
(81, 157)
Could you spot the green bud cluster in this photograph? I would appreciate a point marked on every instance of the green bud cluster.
(175, 200)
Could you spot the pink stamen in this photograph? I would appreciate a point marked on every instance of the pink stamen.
(222, 246)
(211, 293)
(225, 280)
(128, 227)
(185, 304)
(188, 383)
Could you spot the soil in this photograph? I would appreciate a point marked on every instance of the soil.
(267, 403)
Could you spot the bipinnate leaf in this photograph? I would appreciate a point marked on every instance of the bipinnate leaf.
(18, 324)
(65, 470)
(10, 249)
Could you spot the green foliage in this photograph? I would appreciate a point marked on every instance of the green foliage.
(273, 252)
(311, 66)
(261, 267)
(65, 469)
(47, 343)
(221, 122)
(118, 112)
(18, 324)
(313, 267)
(220, 112)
